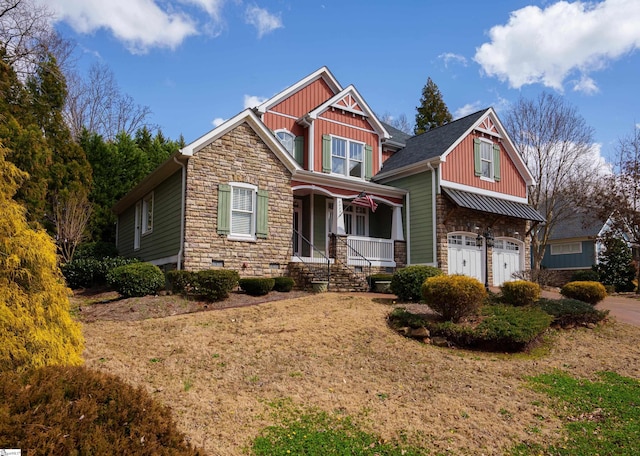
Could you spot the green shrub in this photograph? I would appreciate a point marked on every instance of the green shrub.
(76, 410)
(591, 292)
(96, 250)
(567, 312)
(216, 284)
(512, 328)
(401, 318)
(91, 272)
(181, 281)
(586, 275)
(406, 283)
(284, 284)
(615, 266)
(257, 286)
(454, 296)
(136, 279)
(520, 292)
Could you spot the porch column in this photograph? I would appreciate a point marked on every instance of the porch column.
(338, 217)
(397, 233)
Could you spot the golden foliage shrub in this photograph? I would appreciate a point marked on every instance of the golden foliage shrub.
(454, 296)
(67, 410)
(36, 328)
(590, 292)
(520, 292)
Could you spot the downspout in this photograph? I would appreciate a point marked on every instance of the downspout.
(434, 223)
(182, 209)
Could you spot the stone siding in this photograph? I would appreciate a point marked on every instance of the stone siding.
(238, 156)
(453, 218)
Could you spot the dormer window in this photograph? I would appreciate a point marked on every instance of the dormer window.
(287, 140)
(486, 157)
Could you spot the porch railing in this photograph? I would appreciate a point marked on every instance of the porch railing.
(359, 260)
(302, 244)
(370, 249)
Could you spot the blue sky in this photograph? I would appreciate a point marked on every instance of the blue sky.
(197, 62)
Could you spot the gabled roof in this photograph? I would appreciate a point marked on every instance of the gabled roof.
(180, 157)
(431, 144)
(321, 73)
(397, 136)
(364, 109)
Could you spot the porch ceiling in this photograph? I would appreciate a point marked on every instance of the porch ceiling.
(493, 205)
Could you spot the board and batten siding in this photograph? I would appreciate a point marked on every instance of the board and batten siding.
(583, 260)
(164, 240)
(420, 216)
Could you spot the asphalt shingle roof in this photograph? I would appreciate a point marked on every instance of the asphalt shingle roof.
(397, 135)
(577, 225)
(432, 143)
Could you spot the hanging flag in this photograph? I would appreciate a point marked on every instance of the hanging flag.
(365, 200)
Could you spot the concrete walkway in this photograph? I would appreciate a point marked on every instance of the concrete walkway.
(626, 309)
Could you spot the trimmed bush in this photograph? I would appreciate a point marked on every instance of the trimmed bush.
(96, 250)
(520, 292)
(181, 281)
(91, 272)
(76, 410)
(591, 292)
(284, 284)
(216, 284)
(257, 286)
(566, 312)
(136, 279)
(586, 275)
(453, 297)
(406, 283)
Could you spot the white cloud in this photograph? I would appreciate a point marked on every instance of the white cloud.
(548, 45)
(450, 57)
(586, 84)
(262, 20)
(218, 121)
(251, 101)
(467, 109)
(140, 24)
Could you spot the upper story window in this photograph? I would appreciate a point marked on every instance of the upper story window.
(486, 159)
(347, 157)
(566, 248)
(287, 139)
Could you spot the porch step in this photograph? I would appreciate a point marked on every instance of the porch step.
(342, 278)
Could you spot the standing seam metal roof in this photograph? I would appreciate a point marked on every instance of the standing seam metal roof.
(493, 205)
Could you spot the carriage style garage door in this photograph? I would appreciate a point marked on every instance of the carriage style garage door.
(465, 257)
(506, 261)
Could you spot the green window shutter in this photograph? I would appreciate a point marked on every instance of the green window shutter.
(224, 209)
(326, 154)
(262, 225)
(477, 163)
(496, 162)
(368, 162)
(298, 149)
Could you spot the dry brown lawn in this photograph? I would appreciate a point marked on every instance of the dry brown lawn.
(219, 369)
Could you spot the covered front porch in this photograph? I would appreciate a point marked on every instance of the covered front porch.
(359, 229)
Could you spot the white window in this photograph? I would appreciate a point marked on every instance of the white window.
(356, 220)
(147, 213)
(486, 159)
(287, 140)
(566, 248)
(347, 157)
(243, 210)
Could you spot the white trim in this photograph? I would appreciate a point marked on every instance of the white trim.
(296, 259)
(356, 185)
(408, 224)
(281, 114)
(137, 225)
(165, 260)
(293, 139)
(183, 192)
(317, 189)
(254, 204)
(146, 227)
(480, 191)
(311, 147)
(434, 222)
(491, 176)
(325, 119)
(563, 244)
(407, 171)
(323, 73)
(347, 157)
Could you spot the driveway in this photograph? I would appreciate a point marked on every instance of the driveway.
(625, 309)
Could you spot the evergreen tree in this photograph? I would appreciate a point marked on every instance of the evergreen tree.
(615, 266)
(432, 112)
(36, 328)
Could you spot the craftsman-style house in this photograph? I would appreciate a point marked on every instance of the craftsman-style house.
(310, 183)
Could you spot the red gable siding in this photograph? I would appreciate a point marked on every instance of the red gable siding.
(347, 117)
(459, 168)
(325, 127)
(305, 100)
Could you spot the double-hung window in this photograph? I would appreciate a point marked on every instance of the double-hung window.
(243, 210)
(486, 159)
(356, 220)
(347, 157)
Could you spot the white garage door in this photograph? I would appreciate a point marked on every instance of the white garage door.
(465, 257)
(506, 260)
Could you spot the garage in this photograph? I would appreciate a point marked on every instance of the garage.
(464, 255)
(506, 260)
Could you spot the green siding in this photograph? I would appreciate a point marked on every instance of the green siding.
(420, 216)
(319, 223)
(164, 240)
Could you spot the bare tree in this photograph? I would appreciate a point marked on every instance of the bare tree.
(557, 146)
(401, 122)
(97, 104)
(72, 211)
